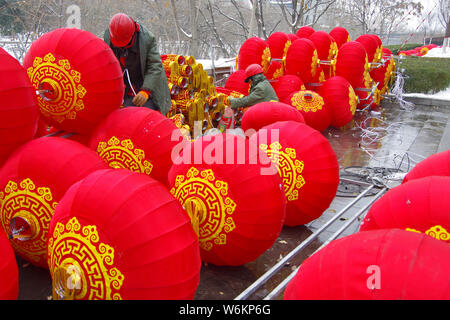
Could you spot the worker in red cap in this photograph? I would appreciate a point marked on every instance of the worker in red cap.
(260, 89)
(144, 76)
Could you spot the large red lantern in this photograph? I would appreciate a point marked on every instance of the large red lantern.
(287, 84)
(32, 182)
(236, 82)
(327, 50)
(388, 264)
(233, 195)
(9, 273)
(292, 37)
(304, 32)
(137, 139)
(79, 79)
(19, 112)
(340, 99)
(379, 52)
(121, 235)
(340, 35)
(352, 63)
(308, 168)
(435, 165)
(302, 59)
(421, 205)
(265, 113)
(278, 43)
(254, 50)
(276, 70)
(371, 45)
(313, 108)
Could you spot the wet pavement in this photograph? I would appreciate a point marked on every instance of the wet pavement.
(387, 143)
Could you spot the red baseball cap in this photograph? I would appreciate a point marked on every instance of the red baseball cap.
(121, 29)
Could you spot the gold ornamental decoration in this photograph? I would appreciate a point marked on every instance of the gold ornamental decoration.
(437, 232)
(61, 94)
(123, 154)
(353, 99)
(207, 202)
(82, 267)
(289, 168)
(33, 205)
(308, 102)
(265, 59)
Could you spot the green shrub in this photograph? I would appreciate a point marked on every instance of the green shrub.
(425, 75)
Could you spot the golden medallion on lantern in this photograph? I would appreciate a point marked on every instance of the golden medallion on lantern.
(289, 168)
(123, 154)
(25, 212)
(307, 101)
(60, 92)
(437, 232)
(81, 266)
(206, 200)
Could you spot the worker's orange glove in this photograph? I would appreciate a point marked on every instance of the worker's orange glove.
(140, 99)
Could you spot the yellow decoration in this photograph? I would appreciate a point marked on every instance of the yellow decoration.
(289, 168)
(307, 101)
(265, 59)
(123, 154)
(212, 206)
(437, 232)
(68, 95)
(76, 253)
(36, 206)
(314, 63)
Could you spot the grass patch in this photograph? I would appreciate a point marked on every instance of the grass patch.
(426, 75)
(406, 47)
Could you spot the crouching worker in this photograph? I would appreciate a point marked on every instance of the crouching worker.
(260, 89)
(135, 47)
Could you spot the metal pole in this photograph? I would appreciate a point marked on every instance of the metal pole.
(286, 281)
(261, 280)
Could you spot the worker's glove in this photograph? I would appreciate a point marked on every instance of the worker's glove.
(232, 104)
(140, 99)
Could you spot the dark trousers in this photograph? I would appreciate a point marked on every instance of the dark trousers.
(128, 102)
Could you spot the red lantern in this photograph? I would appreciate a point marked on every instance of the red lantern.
(32, 182)
(308, 168)
(292, 37)
(388, 264)
(236, 82)
(124, 237)
(137, 139)
(340, 35)
(304, 32)
(313, 108)
(19, 112)
(302, 59)
(254, 50)
(287, 84)
(435, 165)
(236, 206)
(352, 63)
(379, 52)
(265, 113)
(276, 70)
(371, 46)
(327, 50)
(318, 80)
(79, 79)
(340, 99)
(278, 43)
(9, 273)
(421, 205)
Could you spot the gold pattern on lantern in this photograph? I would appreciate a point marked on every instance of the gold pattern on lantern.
(213, 207)
(289, 168)
(64, 93)
(265, 59)
(36, 206)
(286, 48)
(123, 154)
(307, 101)
(314, 63)
(72, 244)
(353, 99)
(437, 232)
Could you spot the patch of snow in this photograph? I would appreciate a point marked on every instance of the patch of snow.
(441, 95)
(438, 53)
(220, 63)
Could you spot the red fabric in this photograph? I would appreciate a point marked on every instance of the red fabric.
(148, 131)
(265, 113)
(351, 61)
(155, 247)
(315, 113)
(292, 37)
(49, 162)
(410, 266)
(435, 165)
(323, 42)
(336, 93)
(259, 209)
(9, 273)
(320, 170)
(301, 59)
(287, 84)
(251, 52)
(379, 74)
(304, 32)
(370, 44)
(99, 74)
(420, 204)
(276, 70)
(277, 44)
(340, 35)
(19, 112)
(236, 82)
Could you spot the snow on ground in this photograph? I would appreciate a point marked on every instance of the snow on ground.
(438, 53)
(441, 95)
(219, 63)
